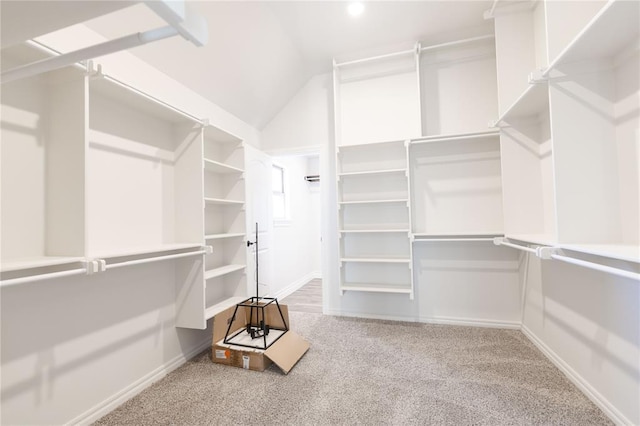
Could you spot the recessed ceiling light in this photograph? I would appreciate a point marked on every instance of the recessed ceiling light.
(355, 9)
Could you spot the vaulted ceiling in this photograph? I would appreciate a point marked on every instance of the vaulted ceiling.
(259, 53)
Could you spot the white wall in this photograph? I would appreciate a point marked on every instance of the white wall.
(296, 243)
(588, 323)
(303, 124)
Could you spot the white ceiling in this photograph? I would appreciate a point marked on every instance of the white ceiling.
(261, 53)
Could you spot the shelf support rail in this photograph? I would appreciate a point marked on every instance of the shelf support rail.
(106, 267)
(191, 26)
(556, 254)
(501, 241)
(88, 268)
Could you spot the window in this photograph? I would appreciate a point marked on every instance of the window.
(279, 188)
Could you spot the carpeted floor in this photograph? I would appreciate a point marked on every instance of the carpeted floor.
(373, 372)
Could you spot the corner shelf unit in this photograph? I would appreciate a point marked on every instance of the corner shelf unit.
(582, 98)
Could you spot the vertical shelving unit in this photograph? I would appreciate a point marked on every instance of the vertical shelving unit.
(375, 249)
(224, 222)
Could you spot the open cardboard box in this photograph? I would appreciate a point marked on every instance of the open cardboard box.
(285, 352)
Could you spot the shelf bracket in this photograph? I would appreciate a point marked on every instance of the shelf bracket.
(546, 253)
(537, 77)
(207, 250)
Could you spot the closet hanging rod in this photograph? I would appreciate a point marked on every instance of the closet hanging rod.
(457, 42)
(41, 277)
(154, 99)
(374, 58)
(155, 259)
(191, 26)
(502, 242)
(597, 267)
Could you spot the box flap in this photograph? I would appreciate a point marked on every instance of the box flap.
(221, 322)
(287, 351)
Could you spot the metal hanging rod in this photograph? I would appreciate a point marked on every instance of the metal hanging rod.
(42, 277)
(597, 267)
(156, 259)
(504, 242)
(458, 42)
(181, 22)
(413, 51)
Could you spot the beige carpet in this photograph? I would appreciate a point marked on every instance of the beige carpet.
(373, 372)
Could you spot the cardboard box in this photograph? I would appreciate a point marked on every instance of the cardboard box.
(285, 352)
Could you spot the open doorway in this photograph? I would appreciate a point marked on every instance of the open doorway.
(296, 242)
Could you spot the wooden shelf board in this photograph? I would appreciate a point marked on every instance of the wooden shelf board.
(219, 236)
(373, 172)
(456, 137)
(372, 144)
(222, 201)
(374, 260)
(217, 167)
(36, 262)
(540, 239)
(214, 310)
(532, 102)
(223, 270)
(377, 288)
(400, 200)
(613, 29)
(626, 252)
(136, 251)
(373, 231)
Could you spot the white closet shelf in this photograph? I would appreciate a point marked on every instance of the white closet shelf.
(222, 270)
(539, 239)
(626, 252)
(533, 101)
(223, 201)
(124, 94)
(218, 167)
(398, 200)
(214, 310)
(220, 236)
(456, 137)
(374, 260)
(36, 262)
(377, 288)
(373, 172)
(611, 31)
(371, 145)
(374, 231)
(143, 250)
(453, 238)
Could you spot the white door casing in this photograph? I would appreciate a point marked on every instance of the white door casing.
(259, 210)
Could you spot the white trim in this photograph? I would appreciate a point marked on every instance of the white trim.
(365, 315)
(297, 284)
(114, 401)
(472, 322)
(581, 383)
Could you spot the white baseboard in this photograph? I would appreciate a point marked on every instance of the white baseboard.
(366, 315)
(297, 284)
(472, 322)
(609, 409)
(138, 386)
